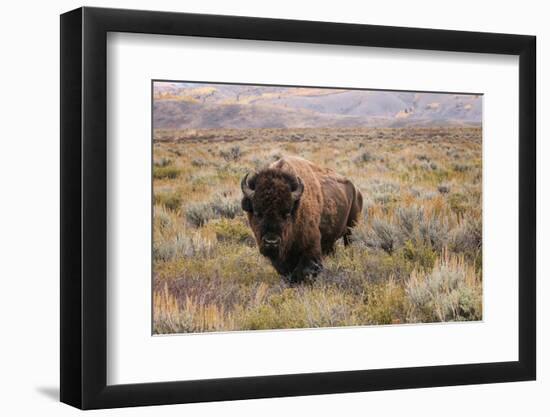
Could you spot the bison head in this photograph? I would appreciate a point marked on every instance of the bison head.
(271, 199)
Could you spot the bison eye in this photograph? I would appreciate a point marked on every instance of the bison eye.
(258, 214)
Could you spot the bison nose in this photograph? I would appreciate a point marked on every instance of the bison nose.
(271, 240)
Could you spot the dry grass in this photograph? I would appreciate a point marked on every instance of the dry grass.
(416, 256)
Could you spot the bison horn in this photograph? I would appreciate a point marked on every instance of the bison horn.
(298, 190)
(247, 191)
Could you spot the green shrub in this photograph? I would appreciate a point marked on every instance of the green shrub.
(232, 231)
(420, 255)
(380, 265)
(172, 201)
(299, 308)
(461, 167)
(458, 203)
(385, 303)
(165, 172)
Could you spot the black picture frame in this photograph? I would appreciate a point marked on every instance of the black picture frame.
(84, 207)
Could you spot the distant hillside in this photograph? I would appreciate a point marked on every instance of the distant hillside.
(193, 105)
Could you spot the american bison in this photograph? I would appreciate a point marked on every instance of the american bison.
(297, 211)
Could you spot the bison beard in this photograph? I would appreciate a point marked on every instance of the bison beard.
(297, 211)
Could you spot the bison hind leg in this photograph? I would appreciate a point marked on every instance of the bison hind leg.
(354, 215)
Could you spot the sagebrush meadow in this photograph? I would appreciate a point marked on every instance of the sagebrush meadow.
(415, 255)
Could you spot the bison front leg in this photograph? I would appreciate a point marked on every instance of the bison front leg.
(308, 268)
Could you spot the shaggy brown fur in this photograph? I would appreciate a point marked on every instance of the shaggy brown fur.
(297, 212)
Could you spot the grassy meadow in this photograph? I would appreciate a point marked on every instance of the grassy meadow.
(416, 255)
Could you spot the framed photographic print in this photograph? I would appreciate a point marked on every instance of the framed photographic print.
(257, 208)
